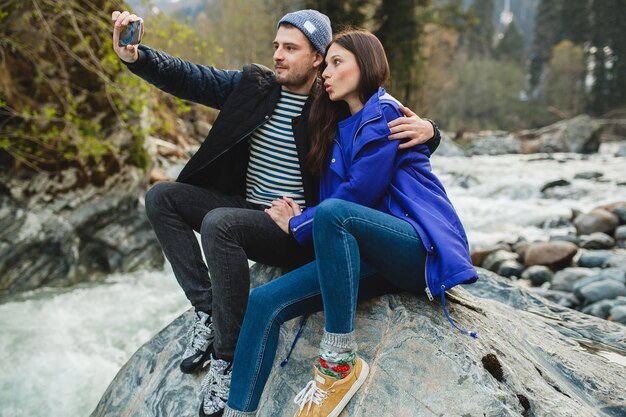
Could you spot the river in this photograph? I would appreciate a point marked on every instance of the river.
(60, 348)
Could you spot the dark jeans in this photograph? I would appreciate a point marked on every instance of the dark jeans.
(232, 231)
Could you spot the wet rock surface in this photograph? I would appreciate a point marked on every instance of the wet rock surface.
(55, 231)
(532, 357)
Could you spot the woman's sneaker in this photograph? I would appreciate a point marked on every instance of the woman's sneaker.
(326, 396)
(215, 388)
(199, 343)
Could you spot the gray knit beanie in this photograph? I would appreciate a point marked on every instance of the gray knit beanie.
(314, 25)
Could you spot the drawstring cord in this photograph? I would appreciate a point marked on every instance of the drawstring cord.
(295, 340)
(445, 310)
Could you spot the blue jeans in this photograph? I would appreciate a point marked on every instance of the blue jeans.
(360, 253)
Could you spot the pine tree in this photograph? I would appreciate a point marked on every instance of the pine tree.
(547, 34)
(480, 37)
(344, 13)
(512, 46)
(400, 31)
(608, 53)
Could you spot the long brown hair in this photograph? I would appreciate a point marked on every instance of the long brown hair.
(326, 114)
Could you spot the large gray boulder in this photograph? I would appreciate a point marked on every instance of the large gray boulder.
(580, 134)
(532, 358)
(57, 230)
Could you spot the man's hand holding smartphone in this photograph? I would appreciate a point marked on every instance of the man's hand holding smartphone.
(127, 33)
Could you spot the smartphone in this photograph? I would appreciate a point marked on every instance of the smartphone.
(131, 34)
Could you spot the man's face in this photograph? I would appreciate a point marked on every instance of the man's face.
(295, 60)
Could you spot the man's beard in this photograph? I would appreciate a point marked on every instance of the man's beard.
(295, 79)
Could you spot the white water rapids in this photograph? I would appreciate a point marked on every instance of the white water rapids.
(59, 349)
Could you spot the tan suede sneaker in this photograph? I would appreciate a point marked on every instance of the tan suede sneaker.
(326, 396)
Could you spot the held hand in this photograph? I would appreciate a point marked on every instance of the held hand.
(413, 129)
(127, 53)
(281, 211)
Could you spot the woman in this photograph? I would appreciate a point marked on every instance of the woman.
(383, 225)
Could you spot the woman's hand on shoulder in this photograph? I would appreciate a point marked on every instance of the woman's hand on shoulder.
(282, 210)
(411, 129)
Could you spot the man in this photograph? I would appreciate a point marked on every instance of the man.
(253, 155)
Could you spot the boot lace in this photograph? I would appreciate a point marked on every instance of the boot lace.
(309, 395)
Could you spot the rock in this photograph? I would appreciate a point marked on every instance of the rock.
(565, 238)
(597, 240)
(158, 175)
(520, 247)
(495, 259)
(555, 255)
(490, 143)
(594, 259)
(447, 147)
(618, 314)
(531, 338)
(566, 279)
(606, 289)
(597, 220)
(56, 230)
(556, 183)
(510, 268)
(620, 236)
(588, 175)
(609, 273)
(600, 309)
(580, 134)
(538, 274)
(562, 298)
(621, 152)
(620, 212)
(203, 127)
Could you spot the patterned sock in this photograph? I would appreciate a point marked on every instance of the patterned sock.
(336, 364)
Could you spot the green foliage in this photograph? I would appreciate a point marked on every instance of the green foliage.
(479, 40)
(563, 85)
(480, 94)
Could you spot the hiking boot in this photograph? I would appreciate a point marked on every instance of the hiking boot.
(215, 388)
(326, 396)
(199, 342)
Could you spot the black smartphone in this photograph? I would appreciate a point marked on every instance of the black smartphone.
(131, 34)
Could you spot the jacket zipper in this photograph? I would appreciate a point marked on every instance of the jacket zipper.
(363, 124)
(295, 229)
(428, 293)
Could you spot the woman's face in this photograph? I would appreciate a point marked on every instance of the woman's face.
(342, 74)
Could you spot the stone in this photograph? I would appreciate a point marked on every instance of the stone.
(609, 273)
(510, 268)
(620, 212)
(597, 240)
(490, 143)
(57, 231)
(588, 175)
(618, 314)
(566, 279)
(203, 127)
(620, 236)
(565, 238)
(621, 152)
(555, 255)
(606, 289)
(580, 134)
(548, 354)
(600, 309)
(597, 220)
(448, 147)
(563, 298)
(594, 259)
(158, 175)
(538, 274)
(556, 183)
(495, 259)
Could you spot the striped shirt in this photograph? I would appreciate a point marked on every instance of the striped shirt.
(274, 169)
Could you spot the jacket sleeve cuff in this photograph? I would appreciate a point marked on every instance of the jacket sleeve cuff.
(143, 58)
(433, 143)
(301, 227)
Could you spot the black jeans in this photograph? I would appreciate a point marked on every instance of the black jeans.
(232, 231)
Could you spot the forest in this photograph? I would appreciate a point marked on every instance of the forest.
(470, 65)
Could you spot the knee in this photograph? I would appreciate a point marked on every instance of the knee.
(262, 305)
(216, 223)
(158, 199)
(332, 211)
